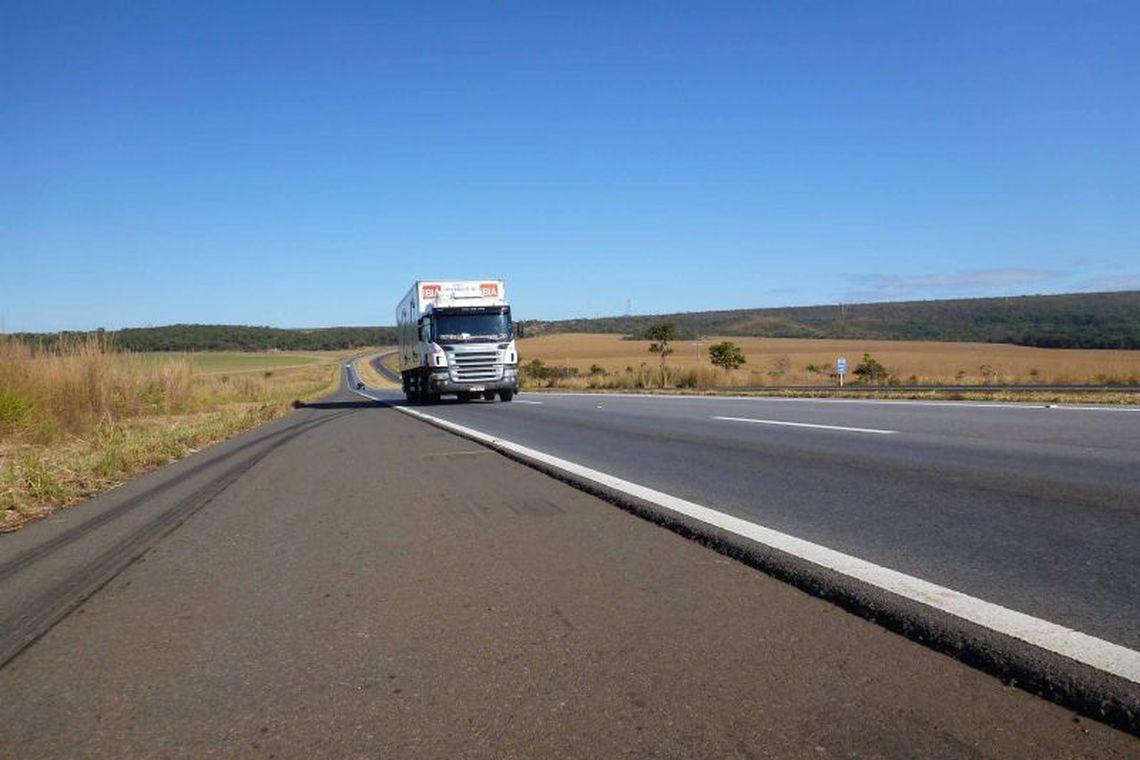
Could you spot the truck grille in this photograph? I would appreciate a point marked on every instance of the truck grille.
(472, 366)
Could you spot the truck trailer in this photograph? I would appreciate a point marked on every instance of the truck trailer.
(457, 337)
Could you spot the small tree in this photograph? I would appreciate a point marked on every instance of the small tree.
(536, 370)
(726, 355)
(870, 370)
(662, 334)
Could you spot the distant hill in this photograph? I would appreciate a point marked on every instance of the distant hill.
(1076, 320)
(234, 338)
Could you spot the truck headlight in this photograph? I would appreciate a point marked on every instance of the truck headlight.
(438, 358)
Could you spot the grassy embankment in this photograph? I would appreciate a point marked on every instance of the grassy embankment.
(81, 418)
(625, 364)
(369, 374)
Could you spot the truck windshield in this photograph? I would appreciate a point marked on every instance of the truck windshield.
(474, 325)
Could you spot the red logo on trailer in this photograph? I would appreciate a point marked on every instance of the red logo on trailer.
(489, 289)
(431, 292)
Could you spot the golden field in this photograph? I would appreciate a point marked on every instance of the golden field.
(783, 361)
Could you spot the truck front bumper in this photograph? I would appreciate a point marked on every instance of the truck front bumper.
(440, 381)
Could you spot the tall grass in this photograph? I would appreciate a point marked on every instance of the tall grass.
(76, 384)
(647, 377)
(78, 417)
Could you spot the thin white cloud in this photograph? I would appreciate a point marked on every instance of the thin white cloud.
(1114, 282)
(880, 286)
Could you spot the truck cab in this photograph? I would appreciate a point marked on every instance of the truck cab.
(462, 342)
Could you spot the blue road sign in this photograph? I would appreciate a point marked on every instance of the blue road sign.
(841, 365)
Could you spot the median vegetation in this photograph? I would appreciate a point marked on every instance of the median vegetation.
(79, 416)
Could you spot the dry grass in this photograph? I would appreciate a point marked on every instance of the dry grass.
(783, 361)
(83, 418)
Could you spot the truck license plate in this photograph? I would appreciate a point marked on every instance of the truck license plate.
(477, 388)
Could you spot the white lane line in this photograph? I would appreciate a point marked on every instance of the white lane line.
(808, 425)
(1097, 653)
(524, 401)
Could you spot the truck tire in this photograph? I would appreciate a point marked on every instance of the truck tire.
(488, 395)
(506, 395)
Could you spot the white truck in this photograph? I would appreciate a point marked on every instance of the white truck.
(457, 337)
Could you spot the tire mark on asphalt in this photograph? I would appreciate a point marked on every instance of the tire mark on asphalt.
(23, 560)
(17, 633)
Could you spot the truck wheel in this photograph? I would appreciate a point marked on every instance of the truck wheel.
(506, 395)
(488, 395)
(423, 394)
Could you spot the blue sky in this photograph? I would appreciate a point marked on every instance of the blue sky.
(300, 164)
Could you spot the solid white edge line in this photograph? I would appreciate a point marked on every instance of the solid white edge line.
(1089, 650)
(808, 425)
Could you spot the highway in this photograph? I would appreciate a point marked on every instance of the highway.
(1031, 507)
(354, 581)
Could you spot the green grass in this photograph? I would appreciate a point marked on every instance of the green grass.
(233, 361)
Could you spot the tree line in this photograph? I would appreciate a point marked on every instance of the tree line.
(227, 338)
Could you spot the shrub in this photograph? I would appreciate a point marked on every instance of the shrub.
(726, 355)
(870, 371)
(662, 334)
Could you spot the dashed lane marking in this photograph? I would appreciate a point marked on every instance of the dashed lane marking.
(808, 425)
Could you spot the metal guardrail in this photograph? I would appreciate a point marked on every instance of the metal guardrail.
(947, 388)
(834, 389)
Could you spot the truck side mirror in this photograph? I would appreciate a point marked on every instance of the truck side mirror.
(420, 331)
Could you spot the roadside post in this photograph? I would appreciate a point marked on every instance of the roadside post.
(841, 368)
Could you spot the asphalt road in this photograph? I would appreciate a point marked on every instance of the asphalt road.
(1030, 507)
(350, 581)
